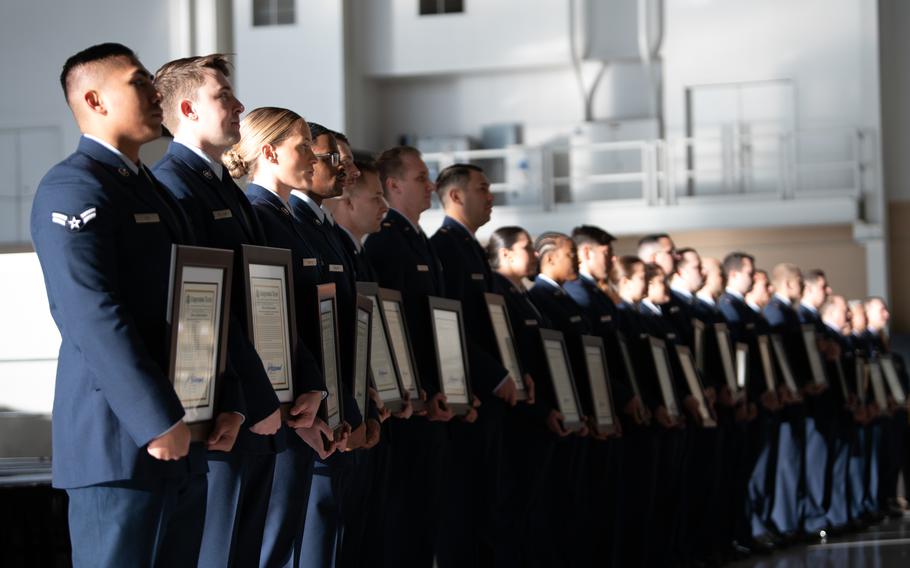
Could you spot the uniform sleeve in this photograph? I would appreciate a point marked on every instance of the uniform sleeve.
(82, 278)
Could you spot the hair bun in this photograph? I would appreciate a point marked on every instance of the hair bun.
(235, 164)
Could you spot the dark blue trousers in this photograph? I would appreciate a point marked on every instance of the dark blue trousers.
(138, 523)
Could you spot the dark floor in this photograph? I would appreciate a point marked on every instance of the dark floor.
(884, 546)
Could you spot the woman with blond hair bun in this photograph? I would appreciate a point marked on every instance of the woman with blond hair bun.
(274, 155)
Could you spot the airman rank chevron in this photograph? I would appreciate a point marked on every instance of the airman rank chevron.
(74, 222)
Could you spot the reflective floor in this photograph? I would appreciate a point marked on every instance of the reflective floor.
(884, 546)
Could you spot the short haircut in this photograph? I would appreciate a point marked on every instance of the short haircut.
(502, 238)
(623, 268)
(784, 271)
(652, 238)
(591, 235)
(457, 174)
(681, 256)
(873, 299)
(814, 276)
(857, 305)
(763, 273)
(831, 303)
(548, 242)
(368, 166)
(652, 271)
(365, 167)
(734, 261)
(317, 130)
(391, 163)
(89, 55)
(181, 78)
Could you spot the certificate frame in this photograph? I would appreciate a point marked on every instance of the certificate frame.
(505, 341)
(362, 343)
(212, 271)
(726, 354)
(894, 383)
(777, 342)
(384, 374)
(698, 343)
(454, 379)
(559, 364)
(630, 372)
(331, 411)
(696, 388)
(767, 362)
(392, 305)
(276, 264)
(742, 368)
(664, 373)
(605, 419)
(810, 342)
(841, 378)
(878, 384)
(861, 376)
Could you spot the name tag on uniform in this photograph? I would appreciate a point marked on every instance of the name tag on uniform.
(671, 336)
(476, 276)
(575, 319)
(310, 262)
(336, 268)
(147, 218)
(530, 322)
(750, 326)
(643, 336)
(423, 268)
(222, 214)
(606, 318)
(674, 309)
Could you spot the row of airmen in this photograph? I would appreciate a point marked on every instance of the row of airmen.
(504, 484)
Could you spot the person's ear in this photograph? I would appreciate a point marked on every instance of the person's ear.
(187, 110)
(455, 195)
(94, 102)
(268, 152)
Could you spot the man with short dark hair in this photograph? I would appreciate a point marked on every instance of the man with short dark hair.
(659, 249)
(405, 260)
(103, 229)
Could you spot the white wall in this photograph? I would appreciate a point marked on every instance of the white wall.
(300, 66)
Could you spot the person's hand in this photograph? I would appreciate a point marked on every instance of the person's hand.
(530, 389)
(726, 397)
(224, 434)
(711, 395)
(663, 417)
(315, 437)
(268, 425)
(860, 414)
(814, 389)
(374, 432)
(471, 416)
(635, 409)
(770, 401)
(172, 445)
(507, 391)
(691, 405)
(342, 436)
(554, 424)
(304, 410)
(357, 439)
(406, 410)
(583, 431)
(438, 410)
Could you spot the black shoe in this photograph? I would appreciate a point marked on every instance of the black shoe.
(763, 544)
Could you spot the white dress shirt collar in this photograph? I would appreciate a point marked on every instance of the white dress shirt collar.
(652, 306)
(548, 280)
(734, 293)
(319, 211)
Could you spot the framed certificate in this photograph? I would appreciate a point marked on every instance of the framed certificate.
(402, 352)
(698, 329)
(722, 334)
(362, 353)
(841, 378)
(383, 373)
(777, 342)
(605, 419)
(878, 384)
(810, 340)
(502, 328)
(742, 367)
(198, 312)
(630, 372)
(696, 389)
(554, 348)
(861, 376)
(767, 363)
(664, 374)
(269, 280)
(894, 383)
(451, 353)
(331, 410)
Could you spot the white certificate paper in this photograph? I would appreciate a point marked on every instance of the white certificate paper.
(742, 364)
(197, 346)
(597, 375)
(688, 368)
(400, 345)
(562, 381)
(894, 383)
(505, 344)
(329, 362)
(451, 359)
(815, 361)
(381, 359)
(664, 377)
(271, 334)
(726, 356)
(360, 361)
